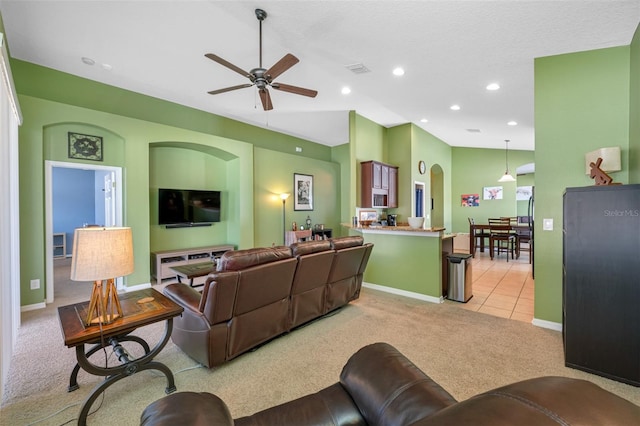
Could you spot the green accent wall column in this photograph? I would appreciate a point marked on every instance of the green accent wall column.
(581, 104)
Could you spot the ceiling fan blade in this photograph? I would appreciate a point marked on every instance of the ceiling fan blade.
(266, 99)
(294, 89)
(228, 89)
(281, 66)
(227, 64)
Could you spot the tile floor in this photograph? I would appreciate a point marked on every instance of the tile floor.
(501, 288)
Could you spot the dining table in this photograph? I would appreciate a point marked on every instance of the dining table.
(485, 227)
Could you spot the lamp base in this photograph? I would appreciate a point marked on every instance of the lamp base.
(103, 308)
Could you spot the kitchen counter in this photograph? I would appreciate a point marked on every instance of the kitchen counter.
(401, 229)
(403, 264)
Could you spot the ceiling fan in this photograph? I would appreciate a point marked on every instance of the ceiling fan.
(261, 77)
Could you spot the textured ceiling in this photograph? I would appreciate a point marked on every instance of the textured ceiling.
(450, 50)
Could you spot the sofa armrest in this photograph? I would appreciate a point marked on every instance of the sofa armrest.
(185, 296)
(389, 389)
(540, 401)
(330, 406)
(187, 408)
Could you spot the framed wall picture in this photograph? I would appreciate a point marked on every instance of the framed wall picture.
(85, 147)
(492, 193)
(470, 200)
(302, 192)
(523, 193)
(368, 215)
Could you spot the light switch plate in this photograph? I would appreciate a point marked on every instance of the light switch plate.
(547, 224)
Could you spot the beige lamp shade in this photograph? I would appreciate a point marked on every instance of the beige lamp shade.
(610, 159)
(101, 253)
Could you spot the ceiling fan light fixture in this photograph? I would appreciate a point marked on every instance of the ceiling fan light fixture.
(261, 77)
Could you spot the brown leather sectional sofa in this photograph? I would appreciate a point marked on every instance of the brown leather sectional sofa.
(260, 293)
(379, 386)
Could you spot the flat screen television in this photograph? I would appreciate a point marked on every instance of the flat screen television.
(188, 207)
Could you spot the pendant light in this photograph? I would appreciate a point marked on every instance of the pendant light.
(507, 176)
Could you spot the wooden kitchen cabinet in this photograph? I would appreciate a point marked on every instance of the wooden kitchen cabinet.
(379, 185)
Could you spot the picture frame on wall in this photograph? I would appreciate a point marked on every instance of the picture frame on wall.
(492, 193)
(302, 192)
(85, 147)
(470, 200)
(523, 193)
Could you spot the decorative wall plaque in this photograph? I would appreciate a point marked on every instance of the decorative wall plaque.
(85, 147)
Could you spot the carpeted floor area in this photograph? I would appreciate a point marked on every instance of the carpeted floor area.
(466, 352)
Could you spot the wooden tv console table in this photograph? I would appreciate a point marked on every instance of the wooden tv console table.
(163, 261)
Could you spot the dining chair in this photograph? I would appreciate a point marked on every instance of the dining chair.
(501, 238)
(479, 236)
(524, 237)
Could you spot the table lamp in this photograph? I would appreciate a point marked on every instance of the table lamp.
(102, 254)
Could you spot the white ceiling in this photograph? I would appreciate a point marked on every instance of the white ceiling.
(450, 50)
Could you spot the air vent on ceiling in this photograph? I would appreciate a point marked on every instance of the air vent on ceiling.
(358, 68)
(473, 130)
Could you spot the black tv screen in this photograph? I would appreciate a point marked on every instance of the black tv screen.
(187, 206)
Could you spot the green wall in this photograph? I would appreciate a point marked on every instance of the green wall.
(477, 168)
(43, 137)
(187, 168)
(274, 176)
(582, 103)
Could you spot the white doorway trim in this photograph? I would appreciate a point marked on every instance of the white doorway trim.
(48, 201)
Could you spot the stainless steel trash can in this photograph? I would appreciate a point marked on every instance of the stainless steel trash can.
(459, 277)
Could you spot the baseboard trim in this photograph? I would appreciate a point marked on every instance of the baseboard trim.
(33, 307)
(547, 324)
(537, 322)
(405, 293)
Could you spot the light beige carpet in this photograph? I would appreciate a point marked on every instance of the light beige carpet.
(466, 352)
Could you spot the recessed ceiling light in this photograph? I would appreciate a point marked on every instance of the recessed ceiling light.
(424, 120)
(107, 67)
(493, 86)
(455, 107)
(398, 71)
(88, 61)
(346, 90)
(512, 123)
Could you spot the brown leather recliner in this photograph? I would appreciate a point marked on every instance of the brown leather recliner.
(258, 294)
(345, 280)
(309, 289)
(379, 386)
(243, 304)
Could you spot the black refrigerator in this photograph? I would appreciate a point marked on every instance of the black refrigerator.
(601, 281)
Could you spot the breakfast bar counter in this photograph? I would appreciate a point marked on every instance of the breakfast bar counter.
(407, 261)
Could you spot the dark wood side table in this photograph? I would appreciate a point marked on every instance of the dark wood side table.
(194, 270)
(140, 308)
